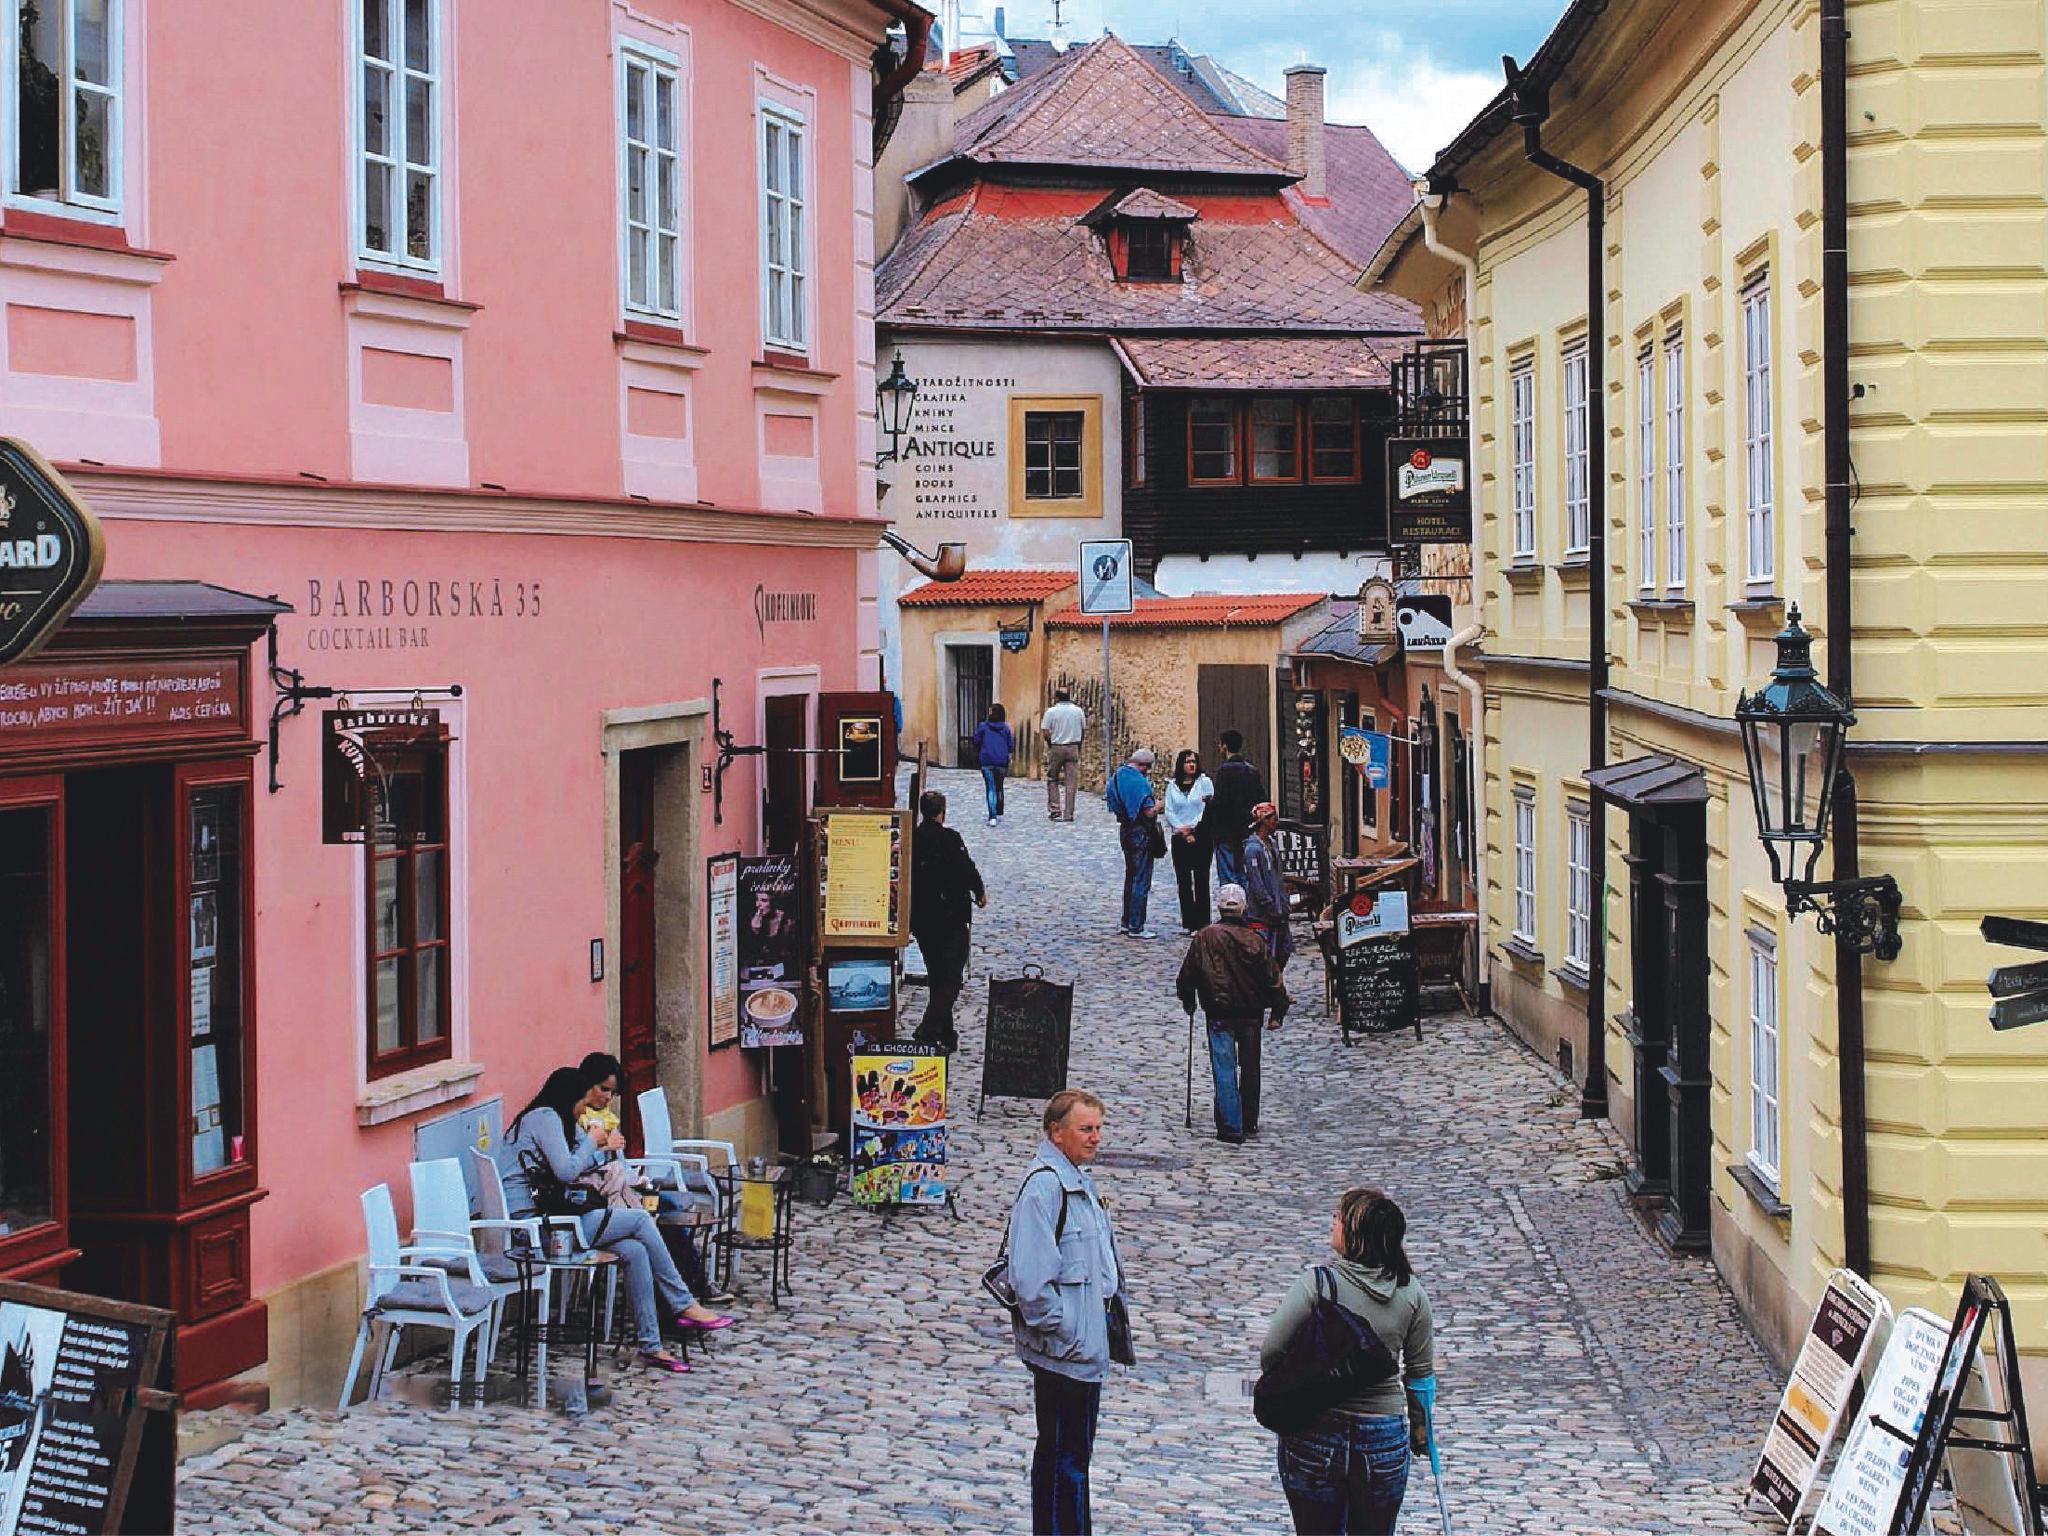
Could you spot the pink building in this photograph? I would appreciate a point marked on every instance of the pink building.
(524, 346)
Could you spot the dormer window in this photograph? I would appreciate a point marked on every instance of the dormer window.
(1146, 234)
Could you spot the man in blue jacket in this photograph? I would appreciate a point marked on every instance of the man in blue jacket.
(1065, 1268)
(1131, 801)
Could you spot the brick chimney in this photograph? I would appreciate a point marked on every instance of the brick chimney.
(1305, 128)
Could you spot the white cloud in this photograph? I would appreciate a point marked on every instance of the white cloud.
(1415, 105)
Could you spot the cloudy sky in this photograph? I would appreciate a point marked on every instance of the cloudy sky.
(1413, 70)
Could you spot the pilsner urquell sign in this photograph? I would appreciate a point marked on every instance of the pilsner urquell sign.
(1429, 491)
(50, 550)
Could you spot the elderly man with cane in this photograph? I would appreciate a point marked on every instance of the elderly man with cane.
(1231, 972)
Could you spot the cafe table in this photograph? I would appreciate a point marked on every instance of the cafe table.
(776, 1184)
(589, 1266)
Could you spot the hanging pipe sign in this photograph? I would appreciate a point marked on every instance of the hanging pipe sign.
(51, 550)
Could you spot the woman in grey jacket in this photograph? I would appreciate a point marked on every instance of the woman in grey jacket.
(1347, 1475)
(545, 1135)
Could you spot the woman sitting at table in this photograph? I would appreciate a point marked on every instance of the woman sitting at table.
(543, 1142)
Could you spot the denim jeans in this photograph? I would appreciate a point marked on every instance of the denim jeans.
(1234, 1058)
(1346, 1476)
(1229, 861)
(1067, 1410)
(992, 787)
(633, 1236)
(1137, 841)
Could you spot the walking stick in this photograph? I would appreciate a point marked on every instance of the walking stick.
(1191, 1069)
(1436, 1472)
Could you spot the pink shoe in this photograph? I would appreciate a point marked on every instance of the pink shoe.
(708, 1325)
(655, 1360)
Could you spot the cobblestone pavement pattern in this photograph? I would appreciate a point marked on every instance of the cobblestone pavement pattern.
(1589, 1382)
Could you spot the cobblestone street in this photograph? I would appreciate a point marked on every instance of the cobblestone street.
(1589, 1383)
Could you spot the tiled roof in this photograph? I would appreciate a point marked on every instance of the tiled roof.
(1035, 55)
(1102, 106)
(1144, 203)
(1368, 192)
(971, 64)
(1247, 611)
(1252, 362)
(981, 585)
(996, 257)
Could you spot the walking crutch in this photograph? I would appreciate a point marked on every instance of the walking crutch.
(1436, 1460)
(1191, 1069)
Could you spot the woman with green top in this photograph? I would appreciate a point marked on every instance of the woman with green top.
(1346, 1476)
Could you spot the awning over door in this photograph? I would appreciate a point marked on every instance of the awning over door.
(1652, 783)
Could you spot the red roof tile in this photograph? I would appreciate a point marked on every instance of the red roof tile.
(1369, 193)
(981, 586)
(1144, 203)
(1245, 611)
(1252, 362)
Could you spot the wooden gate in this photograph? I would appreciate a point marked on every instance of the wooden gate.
(1231, 696)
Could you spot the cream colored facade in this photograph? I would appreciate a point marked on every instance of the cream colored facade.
(1704, 121)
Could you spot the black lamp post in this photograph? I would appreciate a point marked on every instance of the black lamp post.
(1793, 733)
(894, 398)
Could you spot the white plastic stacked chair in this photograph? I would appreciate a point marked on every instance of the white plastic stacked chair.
(413, 1288)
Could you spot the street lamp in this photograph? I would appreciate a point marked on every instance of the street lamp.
(1793, 733)
(894, 398)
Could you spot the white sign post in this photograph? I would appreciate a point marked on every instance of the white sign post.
(1106, 589)
(1863, 1493)
(1838, 1341)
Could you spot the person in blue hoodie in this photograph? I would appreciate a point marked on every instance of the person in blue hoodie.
(1136, 809)
(993, 745)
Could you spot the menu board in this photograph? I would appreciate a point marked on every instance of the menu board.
(862, 898)
(769, 909)
(722, 888)
(1024, 1048)
(1299, 852)
(1378, 985)
(899, 1124)
(70, 1368)
(1871, 1471)
(1826, 1371)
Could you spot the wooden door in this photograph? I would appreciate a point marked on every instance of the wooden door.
(1232, 697)
(637, 859)
(785, 772)
(34, 1175)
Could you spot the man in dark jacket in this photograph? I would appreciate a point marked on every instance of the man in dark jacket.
(1230, 971)
(945, 888)
(1238, 789)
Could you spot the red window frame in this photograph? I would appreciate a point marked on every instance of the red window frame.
(1235, 411)
(411, 1051)
(187, 780)
(1134, 440)
(22, 1250)
(1311, 448)
(1251, 436)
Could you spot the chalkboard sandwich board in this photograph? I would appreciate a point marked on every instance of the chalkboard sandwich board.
(1030, 1024)
(1378, 988)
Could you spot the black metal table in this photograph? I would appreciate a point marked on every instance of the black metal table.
(592, 1265)
(734, 1240)
(712, 1228)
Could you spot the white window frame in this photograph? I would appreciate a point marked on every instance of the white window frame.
(663, 72)
(1765, 1088)
(1646, 469)
(1759, 493)
(1578, 924)
(1522, 456)
(795, 336)
(71, 203)
(1578, 501)
(1674, 461)
(1524, 929)
(398, 157)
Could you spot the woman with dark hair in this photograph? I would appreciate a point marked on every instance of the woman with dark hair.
(1188, 793)
(599, 1116)
(993, 745)
(543, 1143)
(1346, 1476)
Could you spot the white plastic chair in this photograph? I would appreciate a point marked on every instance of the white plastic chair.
(408, 1289)
(490, 1186)
(683, 1162)
(440, 1218)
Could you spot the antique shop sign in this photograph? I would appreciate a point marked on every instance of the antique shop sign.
(1429, 493)
(1810, 1411)
(951, 454)
(51, 550)
(363, 796)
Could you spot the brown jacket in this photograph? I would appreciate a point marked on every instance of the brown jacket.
(1230, 971)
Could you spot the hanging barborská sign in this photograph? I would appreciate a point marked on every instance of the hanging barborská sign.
(1429, 491)
(383, 776)
(51, 550)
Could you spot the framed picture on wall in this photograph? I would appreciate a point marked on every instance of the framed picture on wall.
(860, 749)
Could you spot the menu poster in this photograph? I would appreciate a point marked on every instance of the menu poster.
(722, 887)
(1810, 1412)
(70, 1368)
(899, 1124)
(861, 859)
(1864, 1492)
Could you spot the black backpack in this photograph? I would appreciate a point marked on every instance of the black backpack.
(1332, 1354)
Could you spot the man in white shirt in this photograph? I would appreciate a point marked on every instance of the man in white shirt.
(1062, 728)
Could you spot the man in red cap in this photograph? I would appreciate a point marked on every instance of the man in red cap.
(1265, 895)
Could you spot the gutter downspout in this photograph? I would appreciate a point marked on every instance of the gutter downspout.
(917, 32)
(1834, 224)
(1529, 107)
(1430, 203)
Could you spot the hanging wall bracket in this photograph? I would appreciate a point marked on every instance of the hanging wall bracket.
(293, 691)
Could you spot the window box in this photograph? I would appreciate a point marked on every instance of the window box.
(1574, 573)
(1575, 977)
(1761, 616)
(1524, 575)
(407, 1093)
(1761, 1190)
(1523, 953)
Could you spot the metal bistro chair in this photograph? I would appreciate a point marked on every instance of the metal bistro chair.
(491, 1195)
(408, 1289)
(440, 1217)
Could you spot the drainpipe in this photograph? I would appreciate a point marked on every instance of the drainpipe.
(1430, 203)
(1529, 105)
(1834, 311)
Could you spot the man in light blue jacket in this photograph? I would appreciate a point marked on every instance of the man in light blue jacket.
(1064, 1266)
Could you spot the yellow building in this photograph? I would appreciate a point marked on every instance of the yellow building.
(1720, 1022)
